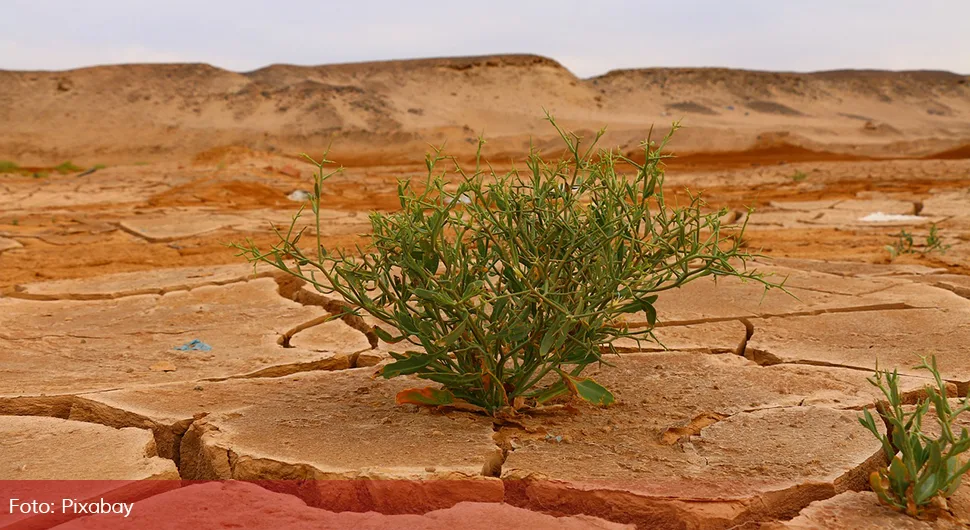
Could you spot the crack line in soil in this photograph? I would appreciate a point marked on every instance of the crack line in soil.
(890, 306)
(331, 364)
(765, 358)
(963, 292)
(153, 240)
(748, 333)
(865, 293)
(291, 288)
(96, 337)
(152, 291)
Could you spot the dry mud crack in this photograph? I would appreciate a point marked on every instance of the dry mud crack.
(749, 415)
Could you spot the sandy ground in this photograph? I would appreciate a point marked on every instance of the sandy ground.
(748, 418)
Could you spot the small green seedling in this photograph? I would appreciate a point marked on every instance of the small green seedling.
(934, 242)
(923, 471)
(904, 244)
(798, 176)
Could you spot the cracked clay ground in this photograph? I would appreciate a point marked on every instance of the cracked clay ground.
(748, 418)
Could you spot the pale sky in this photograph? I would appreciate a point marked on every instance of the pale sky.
(588, 37)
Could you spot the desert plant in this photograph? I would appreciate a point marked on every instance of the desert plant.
(934, 242)
(926, 469)
(798, 176)
(904, 243)
(510, 285)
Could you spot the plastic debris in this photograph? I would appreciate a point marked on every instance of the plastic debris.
(196, 344)
(880, 217)
(299, 196)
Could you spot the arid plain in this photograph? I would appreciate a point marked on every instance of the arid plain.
(746, 417)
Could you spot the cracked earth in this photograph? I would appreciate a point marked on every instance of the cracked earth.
(746, 415)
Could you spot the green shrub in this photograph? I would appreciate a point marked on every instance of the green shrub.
(510, 285)
(926, 469)
(7, 166)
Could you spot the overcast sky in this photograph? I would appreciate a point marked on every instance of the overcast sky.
(588, 37)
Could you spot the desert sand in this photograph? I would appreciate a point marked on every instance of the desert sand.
(747, 417)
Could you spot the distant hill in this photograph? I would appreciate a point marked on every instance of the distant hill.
(388, 112)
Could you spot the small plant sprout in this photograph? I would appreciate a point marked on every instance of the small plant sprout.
(934, 242)
(904, 244)
(923, 470)
(504, 289)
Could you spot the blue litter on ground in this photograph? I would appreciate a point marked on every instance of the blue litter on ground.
(194, 345)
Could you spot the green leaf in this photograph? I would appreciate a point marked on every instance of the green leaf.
(498, 308)
(386, 337)
(642, 304)
(548, 340)
(448, 340)
(410, 364)
(651, 313)
(431, 262)
(424, 294)
(435, 297)
(425, 396)
(454, 380)
(549, 393)
(926, 488)
(406, 322)
(587, 389)
(953, 486)
(473, 289)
